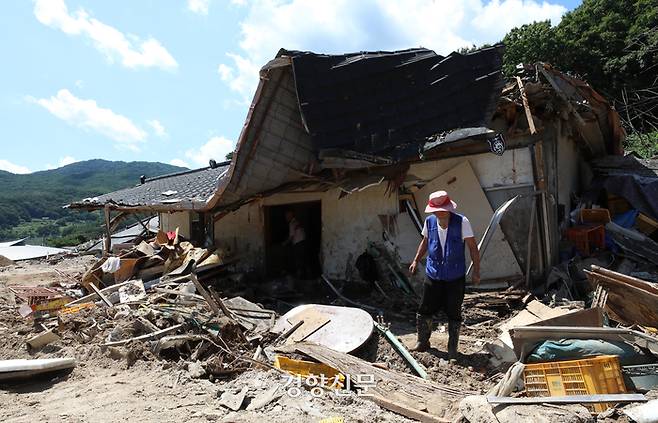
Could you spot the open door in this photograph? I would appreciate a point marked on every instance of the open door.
(281, 259)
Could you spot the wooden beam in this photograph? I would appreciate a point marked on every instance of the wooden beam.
(569, 399)
(526, 106)
(108, 230)
(206, 296)
(100, 294)
(401, 409)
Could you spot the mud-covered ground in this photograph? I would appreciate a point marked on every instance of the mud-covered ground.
(132, 384)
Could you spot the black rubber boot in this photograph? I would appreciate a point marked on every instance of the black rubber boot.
(424, 329)
(453, 338)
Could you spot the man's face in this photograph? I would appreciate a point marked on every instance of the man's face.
(442, 214)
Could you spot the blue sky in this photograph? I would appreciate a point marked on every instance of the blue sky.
(172, 81)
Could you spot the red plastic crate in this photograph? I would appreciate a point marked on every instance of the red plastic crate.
(587, 238)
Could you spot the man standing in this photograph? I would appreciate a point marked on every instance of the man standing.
(297, 240)
(444, 235)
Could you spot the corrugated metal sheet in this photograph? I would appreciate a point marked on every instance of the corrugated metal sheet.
(26, 252)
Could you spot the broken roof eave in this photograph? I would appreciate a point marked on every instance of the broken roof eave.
(472, 146)
(183, 205)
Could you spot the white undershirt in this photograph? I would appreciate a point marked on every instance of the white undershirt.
(467, 231)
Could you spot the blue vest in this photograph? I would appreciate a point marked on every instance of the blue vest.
(453, 265)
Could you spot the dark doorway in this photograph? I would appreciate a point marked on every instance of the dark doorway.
(280, 259)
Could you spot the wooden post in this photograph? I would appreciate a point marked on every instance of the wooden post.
(108, 231)
(531, 226)
(526, 106)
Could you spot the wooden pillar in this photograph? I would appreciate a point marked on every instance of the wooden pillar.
(108, 231)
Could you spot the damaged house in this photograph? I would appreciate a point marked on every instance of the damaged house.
(353, 144)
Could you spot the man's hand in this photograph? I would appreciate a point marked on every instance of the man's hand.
(475, 277)
(412, 266)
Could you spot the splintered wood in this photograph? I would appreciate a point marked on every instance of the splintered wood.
(629, 300)
(402, 393)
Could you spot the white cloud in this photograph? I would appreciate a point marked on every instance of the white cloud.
(179, 162)
(86, 114)
(198, 6)
(158, 129)
(345, 26)
(216, 148)
(8, 166)
(66, 160)
(129, 50)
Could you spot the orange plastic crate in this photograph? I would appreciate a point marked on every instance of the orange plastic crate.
(597, 375)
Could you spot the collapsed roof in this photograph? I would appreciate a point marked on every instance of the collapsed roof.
(314, 111)
(389, 104)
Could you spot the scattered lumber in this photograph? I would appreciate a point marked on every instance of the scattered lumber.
(403, 393)
(631, 300)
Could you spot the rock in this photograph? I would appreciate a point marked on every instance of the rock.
(539, 413)
(196, 370)
(644, 413)
(264, 398)
(233, 401)
(475, 408)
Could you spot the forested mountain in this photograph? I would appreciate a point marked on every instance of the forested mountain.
(31, 204)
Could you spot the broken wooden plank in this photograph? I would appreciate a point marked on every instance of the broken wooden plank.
(632, 304)
(288, 332)
(410, 392)
(403, 410)
(215, 296)
(621, 278)
(42, 339)
(93, 297)
(526, 106)
(100, 294)
(146, 337)
(206, 296)
(569, 399)
(313, 321)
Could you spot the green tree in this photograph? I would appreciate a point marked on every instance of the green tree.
(529, 43)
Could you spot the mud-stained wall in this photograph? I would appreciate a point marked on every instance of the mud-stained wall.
(348, 224)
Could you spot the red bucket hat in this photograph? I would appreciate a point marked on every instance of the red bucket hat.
(439, 201)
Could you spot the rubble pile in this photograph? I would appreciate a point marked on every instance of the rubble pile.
(149, 303)
(521, 354)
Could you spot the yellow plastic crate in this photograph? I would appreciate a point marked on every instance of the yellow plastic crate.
(308, 368)
(597, 375)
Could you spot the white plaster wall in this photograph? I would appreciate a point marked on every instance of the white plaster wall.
(568, 160)
(180, 220)
(348, 224)
(513, 167)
